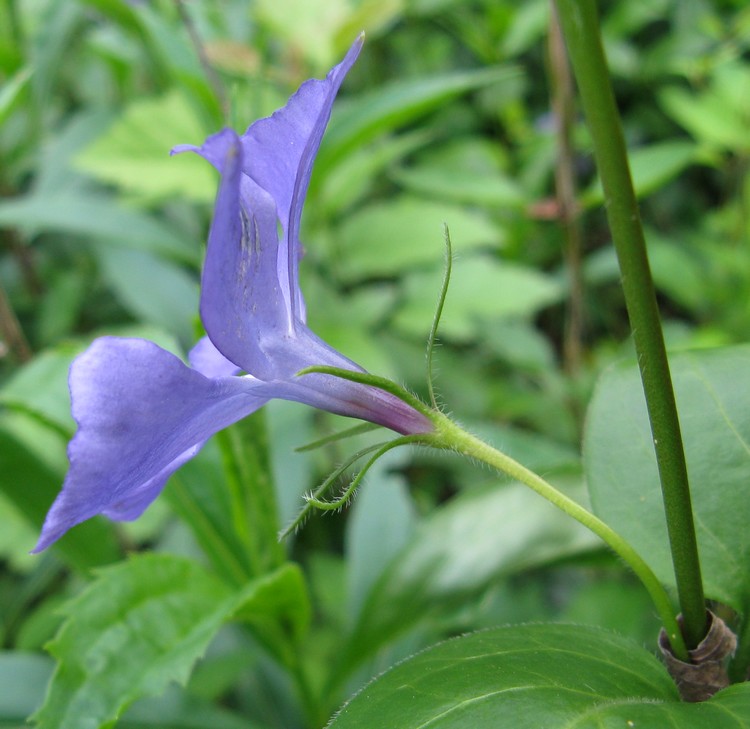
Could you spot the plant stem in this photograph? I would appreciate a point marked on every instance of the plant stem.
(563, 106)
(580, 27)
(449, 435)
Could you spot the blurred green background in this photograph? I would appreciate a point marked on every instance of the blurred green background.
(458, 113)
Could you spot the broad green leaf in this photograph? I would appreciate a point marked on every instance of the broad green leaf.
(154, 290)
(481, 288)
(40, 388)
(540, 677)
(652, 167)
(384, 239)
(134, 152)
(466, 170)
(308, 26)
(23, 677)
(140, 626)
(381, 521)
(32, 459)
(712, 388)
(95, 215)
(462, 187)
(719, 115)
(359, 120)
(479, 537)
(352, 179)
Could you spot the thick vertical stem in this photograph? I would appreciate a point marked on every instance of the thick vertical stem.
(580, 26)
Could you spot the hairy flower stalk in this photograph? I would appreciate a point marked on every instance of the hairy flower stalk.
(141, 412)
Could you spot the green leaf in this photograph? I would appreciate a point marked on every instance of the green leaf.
(97, 215)
(541, 676)
(481, 288)
(651, 167)
(138, 627)
(712, 388)
(154, 290)
(32, 457)
(358, 121)
(134, 152)
(384, 239)
(479, 537)
(12, 91)
(465, 170)
(23, 677)
(719, 115)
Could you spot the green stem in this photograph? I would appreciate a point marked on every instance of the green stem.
(580, 26)
(448, 435)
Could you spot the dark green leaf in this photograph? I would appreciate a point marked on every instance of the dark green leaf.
(141, 626)
(32, 457)
(540, 676)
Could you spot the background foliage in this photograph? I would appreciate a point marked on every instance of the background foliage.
(446, 118)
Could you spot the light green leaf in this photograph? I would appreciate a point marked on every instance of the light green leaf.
(134, 152)
(23, 677)
(154, 290)
(651, 167)
(93, 214)
(481, 288)
(540, 677)
(359, 120)
(479, 537)
(138, 627)
(12, 91)
(386, 238)
(713, 398)
(719, 115)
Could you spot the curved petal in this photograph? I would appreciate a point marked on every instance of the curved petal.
(206, 359)
(141, 414)
(279, 155)
(242, 305)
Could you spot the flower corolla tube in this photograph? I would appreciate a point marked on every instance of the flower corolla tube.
(141, 412)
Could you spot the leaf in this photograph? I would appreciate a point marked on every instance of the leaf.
(97, 215)
(23, 677)
(479, 537)
(32, 457)
(481, 288)
(360, 120)
(719, 115)
(712, 388)
(384, 239)
(540, 676)
(138, 627)
(134, 152)
(467, 170)
(12, 91)
(154, 290)
(381, 521)
(652, 167)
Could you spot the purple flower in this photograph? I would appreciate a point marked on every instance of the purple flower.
(141, 412)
